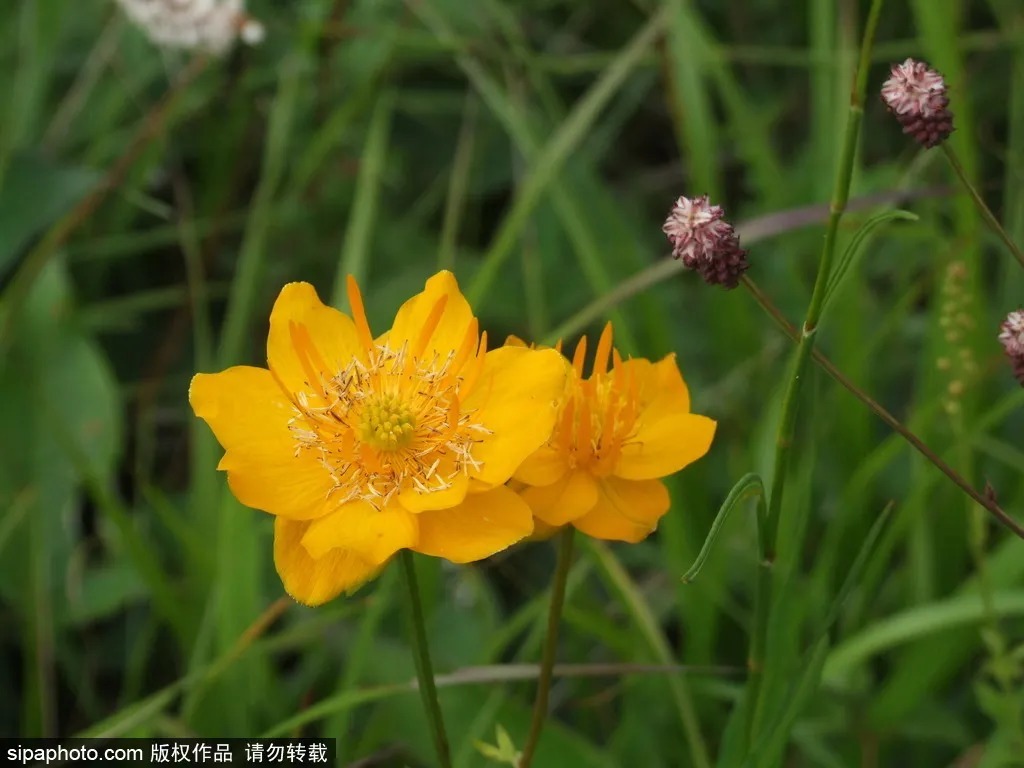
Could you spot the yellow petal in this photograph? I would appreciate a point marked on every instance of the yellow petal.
(308, 339)
(483, 524)
(373, 535)
(315, 581)
(249, 415)
(663, 445)
(542, 531)
(416, 500)
(661, 385)
(544, 466)
(516, 399)
(626, 510)
(450, 327)
(564, 501)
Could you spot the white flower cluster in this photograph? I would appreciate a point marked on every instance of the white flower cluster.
(209, 25)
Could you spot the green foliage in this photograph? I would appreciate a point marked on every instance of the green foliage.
(534, 149)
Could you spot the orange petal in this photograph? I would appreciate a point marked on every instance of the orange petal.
(326, 338)
(626, 510)
(249, 415)
(604, 348)
(516, 398)
(663, 445)
(374, 535)
(544, 466)
(355, 303)
(450, 324)
(579, 355)
(483, 524)
(315, 581)
(563, 502)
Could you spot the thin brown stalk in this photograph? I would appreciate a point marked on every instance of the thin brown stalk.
(891, 421)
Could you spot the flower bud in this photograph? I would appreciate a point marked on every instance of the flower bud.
(705, 242)
(916, 95)
(1011, 336)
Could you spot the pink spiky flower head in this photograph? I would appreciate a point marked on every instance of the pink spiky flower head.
(705, 242)
(916, 95)
(1011, 336)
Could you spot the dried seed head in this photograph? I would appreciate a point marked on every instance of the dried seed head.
(705, 242)
(916, 95)
(1011, 336)
(209, 25)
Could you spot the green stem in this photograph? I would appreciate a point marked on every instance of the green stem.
(986, 212)
(985, 500)
(762, 603)
(424, 669)
(791, 401)
(547, 664)
(840, 195)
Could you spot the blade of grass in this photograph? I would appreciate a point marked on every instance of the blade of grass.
(276, 155)
(17, 291)
(552, 157)
(696, 129)
(355, 251)
(912, 624)
(458, 183)
(620, 583)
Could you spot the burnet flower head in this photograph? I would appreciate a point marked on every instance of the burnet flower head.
(209, 25)
(916, 94)
(705, 242)
(618, 432)
(362, 446)
(1011, 336)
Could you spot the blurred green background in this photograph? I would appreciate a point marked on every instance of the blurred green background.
(533, 147)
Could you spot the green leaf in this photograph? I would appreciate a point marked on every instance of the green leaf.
(35, 193)
(504, 751)
(914, 623)
(749, 484)
(857, 245)
(774, 737)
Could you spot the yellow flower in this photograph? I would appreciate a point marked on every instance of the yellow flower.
(616, 434)
(361, 447)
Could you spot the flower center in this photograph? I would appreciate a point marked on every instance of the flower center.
(393, 422)
(387, 423)
(598, 419)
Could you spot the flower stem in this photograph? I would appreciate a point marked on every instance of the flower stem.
(805, 345)
(424, 669)
(540, 704)
(986, 212)
(762, 602)
(985, 500)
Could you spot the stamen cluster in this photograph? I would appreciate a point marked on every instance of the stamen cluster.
(392, 423)
(600, 414)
